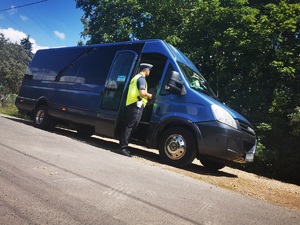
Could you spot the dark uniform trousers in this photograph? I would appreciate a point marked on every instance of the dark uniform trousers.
(134, 115)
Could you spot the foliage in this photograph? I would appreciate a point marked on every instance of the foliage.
(248, 50)
(295, 122)
(9, 109)
(27, 46)
(13, 63)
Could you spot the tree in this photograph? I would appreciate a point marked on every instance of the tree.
(27, 46)
(119, 20)
(284, 23)
(13, 63)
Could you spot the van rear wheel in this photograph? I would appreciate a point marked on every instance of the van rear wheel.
(177, 147)
(42, 119)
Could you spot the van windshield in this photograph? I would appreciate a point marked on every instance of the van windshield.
(196, 80)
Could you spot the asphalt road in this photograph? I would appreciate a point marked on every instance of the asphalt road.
(56, 178)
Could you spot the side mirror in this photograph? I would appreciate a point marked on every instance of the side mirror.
(175, 84)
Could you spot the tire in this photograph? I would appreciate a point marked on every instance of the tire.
(41, 118)
(177, 147)
(212, 165)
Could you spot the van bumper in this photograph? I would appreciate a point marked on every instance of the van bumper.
(226, 143)
(24, 105)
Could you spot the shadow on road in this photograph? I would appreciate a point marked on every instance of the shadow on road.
(112, 145)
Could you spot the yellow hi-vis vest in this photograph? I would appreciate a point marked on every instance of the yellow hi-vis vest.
(133, 92)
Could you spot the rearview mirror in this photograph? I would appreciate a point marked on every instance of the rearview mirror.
(175, 84)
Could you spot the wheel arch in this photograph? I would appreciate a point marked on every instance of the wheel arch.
(175, 122)
(41, 101)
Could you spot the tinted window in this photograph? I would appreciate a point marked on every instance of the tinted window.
(121, 70)
(47, 64)
(95, 66)
(70, 75)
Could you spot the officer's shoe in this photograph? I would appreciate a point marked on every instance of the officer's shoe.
(125, 152)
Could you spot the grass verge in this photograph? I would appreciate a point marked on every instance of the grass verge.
(11, 110)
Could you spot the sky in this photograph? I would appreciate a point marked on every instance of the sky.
(49, 23)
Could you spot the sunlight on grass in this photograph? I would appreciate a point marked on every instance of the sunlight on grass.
(10, 110)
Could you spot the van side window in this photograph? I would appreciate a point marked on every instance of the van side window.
(69, 72)
(47, 64)
(121, 69)
(70, 75)
(95, 66)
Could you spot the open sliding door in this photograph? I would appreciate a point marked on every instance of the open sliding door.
(113, 93)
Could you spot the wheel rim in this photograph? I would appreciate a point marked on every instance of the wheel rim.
(175, 147)
(39, 118)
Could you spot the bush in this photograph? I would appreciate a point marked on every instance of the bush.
(280, 164)
(8, 107)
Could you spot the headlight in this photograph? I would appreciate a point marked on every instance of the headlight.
(223, 116)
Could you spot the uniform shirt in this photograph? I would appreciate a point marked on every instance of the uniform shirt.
(141, 83)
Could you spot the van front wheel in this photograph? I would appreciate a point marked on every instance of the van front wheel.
(212, 165)
(41, 118)
(177, 147)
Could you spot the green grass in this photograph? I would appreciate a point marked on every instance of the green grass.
(10, 110)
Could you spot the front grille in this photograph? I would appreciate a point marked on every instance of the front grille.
(247, 128)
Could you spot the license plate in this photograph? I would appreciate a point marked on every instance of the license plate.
(249, 157)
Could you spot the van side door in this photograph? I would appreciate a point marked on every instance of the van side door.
(113, 94)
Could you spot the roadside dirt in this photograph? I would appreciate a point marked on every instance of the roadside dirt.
(272, 191)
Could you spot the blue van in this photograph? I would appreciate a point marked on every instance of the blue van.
(86, 87)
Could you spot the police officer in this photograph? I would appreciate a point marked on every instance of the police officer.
(137, 99)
